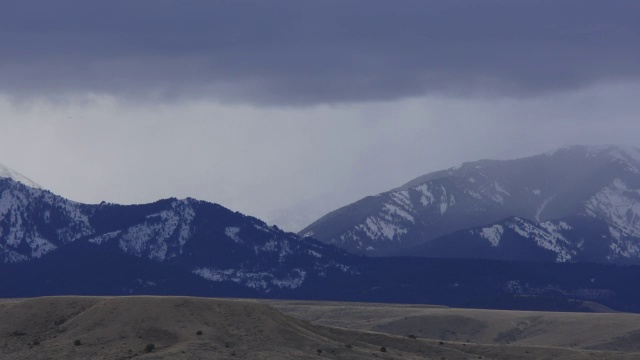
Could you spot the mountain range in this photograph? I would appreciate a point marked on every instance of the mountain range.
(578, 203)
(513, 234)
(205, 239)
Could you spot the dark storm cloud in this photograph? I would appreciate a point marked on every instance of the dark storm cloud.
(309, 52)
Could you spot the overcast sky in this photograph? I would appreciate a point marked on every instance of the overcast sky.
(287, 109)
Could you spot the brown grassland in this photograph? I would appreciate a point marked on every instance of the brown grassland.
(150, 327)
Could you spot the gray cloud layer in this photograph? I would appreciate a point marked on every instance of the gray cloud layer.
(310, 52)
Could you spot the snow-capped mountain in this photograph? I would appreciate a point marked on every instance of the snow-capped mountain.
(598, 184)
(53, 246)
(5, 172)
(574, 239)
(202, 238)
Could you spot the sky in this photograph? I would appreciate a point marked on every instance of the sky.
(286, 110)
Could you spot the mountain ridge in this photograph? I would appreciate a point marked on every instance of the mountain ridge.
(6, 172)
(203, 238)
(53, 246)
(540, 188)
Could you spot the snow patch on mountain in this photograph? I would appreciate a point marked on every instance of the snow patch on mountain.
(72, 210)
(5, 172)
(375, 228)
(547, 236)
(187, 214)
(150, 238)
(40, 246)
(12, 204)
(294, 279)
(500, 189)
(261, 226)
(98, 240)
(19, 204)
(7, 202)
(427, 197)
(403, 199)
(7, 255)
(493, 234)
(393, 211)
(147, 239)
(555, 228)
(232, 233)
(257, 280)
(379, 229)
(444, 201)
(496, 193)
(624, 245)
(392, 221)
(314, 253)
(619, 205)
(473, 194)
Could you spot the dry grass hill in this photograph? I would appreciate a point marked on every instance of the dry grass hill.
(596, 331)
(199, 328)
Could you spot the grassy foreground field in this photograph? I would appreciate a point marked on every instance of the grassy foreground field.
(199, 328)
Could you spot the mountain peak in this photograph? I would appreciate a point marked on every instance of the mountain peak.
(626, 155)
(6, 172)
(615, 151)
(600, 183)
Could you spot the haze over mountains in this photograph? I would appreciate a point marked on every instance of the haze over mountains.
(530, 211)
(578, 203)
